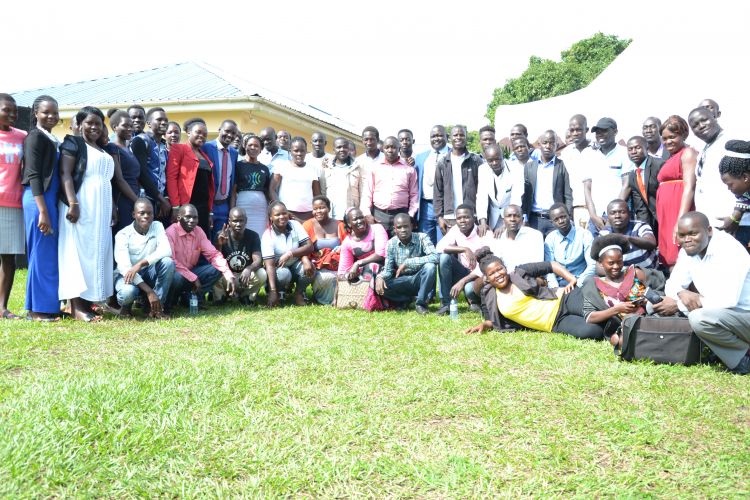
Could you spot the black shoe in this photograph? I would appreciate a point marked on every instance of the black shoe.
(421, 309)
(475, 308)
(743, 367)
(443, 311)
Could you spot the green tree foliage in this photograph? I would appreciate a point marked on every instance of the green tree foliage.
(544, 78)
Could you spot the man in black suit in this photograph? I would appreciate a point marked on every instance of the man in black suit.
(642, 184)
(545, 183)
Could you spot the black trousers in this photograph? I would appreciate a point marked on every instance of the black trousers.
(570, 318)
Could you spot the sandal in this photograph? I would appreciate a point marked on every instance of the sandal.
(89, 317)
(9, 315)
(43, 319)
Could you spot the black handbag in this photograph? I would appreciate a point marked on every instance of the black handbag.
(659, 339)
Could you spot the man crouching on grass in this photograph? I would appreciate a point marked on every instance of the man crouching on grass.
(144, 262)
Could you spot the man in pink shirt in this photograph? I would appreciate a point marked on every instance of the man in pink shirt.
(390, 187)
(457, 260)
(188, 243)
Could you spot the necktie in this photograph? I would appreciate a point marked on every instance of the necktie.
(641, 185)
(702, 159)
(224, 165)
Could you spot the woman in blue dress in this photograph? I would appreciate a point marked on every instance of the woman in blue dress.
(41, 179)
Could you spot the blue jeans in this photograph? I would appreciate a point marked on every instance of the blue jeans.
(404, 288)
(451, 270)
(428, 222)
(294, 273)
(208, 275)
(158, 276)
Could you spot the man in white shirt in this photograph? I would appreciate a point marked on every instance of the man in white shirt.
(718, 268)
(517, 244)
(579, 158)
(711, 194)
(318, 158)
(144, 261)
(372, 154)
(499, 186)
(271, 153)
(607, 177)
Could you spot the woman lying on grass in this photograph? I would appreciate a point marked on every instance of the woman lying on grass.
(516, 300)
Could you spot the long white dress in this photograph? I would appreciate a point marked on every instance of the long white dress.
(85, 248)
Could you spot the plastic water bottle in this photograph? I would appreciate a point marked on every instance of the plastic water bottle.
(454, 309)
(142, 193)
(193, 303)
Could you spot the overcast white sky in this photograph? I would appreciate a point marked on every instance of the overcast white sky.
(387, 63)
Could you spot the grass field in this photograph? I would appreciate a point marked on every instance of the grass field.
(316, 402)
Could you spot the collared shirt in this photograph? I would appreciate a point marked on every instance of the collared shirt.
(132, 247)
(572, 251)
(365, 160)
(495, 192)
(525, 248)
(219, 166)
(722, 276)
(418, 252)
(274, 244)
(156, 158)
(428, 173)
(268, 159)
(454, 237)
(187, 249)
(545, 179)
(637, 256)
(577, 163)
(659, 152)
(606, 176)
(711, 194)
(389, 186)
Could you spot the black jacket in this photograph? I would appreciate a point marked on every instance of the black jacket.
(39, 157)
(525, 278)
(76, 147)
(442, 197)
(645, 210)
(561, 191)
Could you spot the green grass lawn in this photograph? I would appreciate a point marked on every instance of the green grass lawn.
(317, 402)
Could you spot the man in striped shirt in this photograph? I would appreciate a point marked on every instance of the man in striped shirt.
(641, 237)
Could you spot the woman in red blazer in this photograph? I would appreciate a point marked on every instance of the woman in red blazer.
(190, 177)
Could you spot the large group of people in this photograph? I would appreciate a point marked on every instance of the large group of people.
(554, 235)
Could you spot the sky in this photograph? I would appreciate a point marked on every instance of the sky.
(392, 64)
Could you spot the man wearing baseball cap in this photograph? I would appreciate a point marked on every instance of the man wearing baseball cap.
(607, 176)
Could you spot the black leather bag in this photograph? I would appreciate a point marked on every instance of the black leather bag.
(662, 340)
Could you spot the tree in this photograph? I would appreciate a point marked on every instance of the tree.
(544, 78)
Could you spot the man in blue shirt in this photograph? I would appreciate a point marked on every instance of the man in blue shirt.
(568, 245)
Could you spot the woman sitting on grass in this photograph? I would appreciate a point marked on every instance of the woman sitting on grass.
(516, 300)
(326, 235)
(363, 251)
(285, 247)
(620, 291)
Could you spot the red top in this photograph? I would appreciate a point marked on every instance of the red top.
(182, 167)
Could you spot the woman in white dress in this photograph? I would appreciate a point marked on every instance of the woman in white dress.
(85, 244)
(295, 183)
